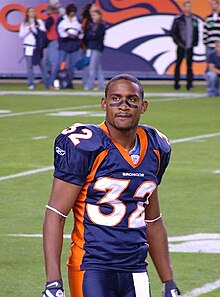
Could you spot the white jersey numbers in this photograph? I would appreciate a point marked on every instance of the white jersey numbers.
(113, 188)
(117, 208)
(75, 137)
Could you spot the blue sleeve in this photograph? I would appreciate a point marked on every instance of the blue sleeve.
(165, 152)
(71, 163)
(160, 143)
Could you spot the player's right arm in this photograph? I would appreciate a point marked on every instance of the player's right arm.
(62, 199)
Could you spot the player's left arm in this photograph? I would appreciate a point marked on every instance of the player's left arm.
(158, 246)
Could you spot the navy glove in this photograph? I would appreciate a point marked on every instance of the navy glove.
(54, 289)
(170, 289)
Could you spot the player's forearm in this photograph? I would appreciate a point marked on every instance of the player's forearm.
(52, 243)
(158, 249)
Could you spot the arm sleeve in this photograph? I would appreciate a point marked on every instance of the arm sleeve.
(173, 31)
(23, 31)
(71, 163)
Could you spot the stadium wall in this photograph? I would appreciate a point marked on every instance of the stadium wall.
(137, 39)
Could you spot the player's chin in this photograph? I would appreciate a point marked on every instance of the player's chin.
(124, 125)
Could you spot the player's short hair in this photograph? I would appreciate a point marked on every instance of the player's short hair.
(128, 77)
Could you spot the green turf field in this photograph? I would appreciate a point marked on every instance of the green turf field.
(189, 193)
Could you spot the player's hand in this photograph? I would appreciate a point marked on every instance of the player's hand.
(170, 289)
(54, 289)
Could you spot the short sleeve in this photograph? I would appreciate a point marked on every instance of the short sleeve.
(71, 163)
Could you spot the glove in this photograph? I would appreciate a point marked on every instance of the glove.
(54, 289)
(170, 289)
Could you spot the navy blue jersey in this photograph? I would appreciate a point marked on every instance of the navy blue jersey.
(109, 228)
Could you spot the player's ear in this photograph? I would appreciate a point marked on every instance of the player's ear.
(103, 104)
(144, 106)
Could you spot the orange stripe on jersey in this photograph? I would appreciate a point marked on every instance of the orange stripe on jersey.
(77, 252)
(157, 153)
(143, 145)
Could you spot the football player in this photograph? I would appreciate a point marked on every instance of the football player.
(108, 175)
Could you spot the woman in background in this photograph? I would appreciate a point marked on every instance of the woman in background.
(94, 37)
(70, 34)
(29, 31)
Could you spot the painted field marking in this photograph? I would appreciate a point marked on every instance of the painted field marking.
(209, 287)
(194, 138)
(192, 243)
(39, 137)
(216, 171)
(48, 110)
(26, 173)
(175, 97)
(35, 171)
(83, 93)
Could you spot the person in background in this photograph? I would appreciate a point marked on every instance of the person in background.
(211, 28)
(185, 35)
(108, 175)
(94, 37)
(213, 73)
(86, 23)
(70, 34)
(87, 20)
(29, 30)
(52, 52)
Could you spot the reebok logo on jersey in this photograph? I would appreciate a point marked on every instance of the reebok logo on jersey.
(60, 151)
(138, 174)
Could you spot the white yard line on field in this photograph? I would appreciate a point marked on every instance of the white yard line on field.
(171, 97)
(35, 171)
(25, 173)
(194, 138)
(204, 289)
(47, 110)
(92, 93)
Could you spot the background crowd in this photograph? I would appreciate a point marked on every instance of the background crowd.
(65, 42)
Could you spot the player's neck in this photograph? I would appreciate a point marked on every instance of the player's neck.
(125, 138)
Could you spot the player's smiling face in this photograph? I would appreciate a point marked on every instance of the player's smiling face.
(123, 105)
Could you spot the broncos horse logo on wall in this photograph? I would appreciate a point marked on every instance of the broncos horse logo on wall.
(138, 36)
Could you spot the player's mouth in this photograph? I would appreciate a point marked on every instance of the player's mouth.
(123, 115)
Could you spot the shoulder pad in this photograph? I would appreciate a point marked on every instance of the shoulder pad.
(86, 137)
(160, 140)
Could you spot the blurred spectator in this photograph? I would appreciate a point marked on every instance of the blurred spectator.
(184, 32)
(57, 4)
(94, 37)
(32, 32)
(52, 53)
(70, 33)
(211, 29)
(86, 20)
(213, 73)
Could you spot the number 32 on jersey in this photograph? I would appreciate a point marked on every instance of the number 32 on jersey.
(113, 189)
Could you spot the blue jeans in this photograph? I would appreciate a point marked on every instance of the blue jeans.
(30, 70)
(51, 61)
(69, 58)
(95, 70)
(213, 84)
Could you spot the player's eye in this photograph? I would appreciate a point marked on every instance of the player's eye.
(115, 98)
(132, 99)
